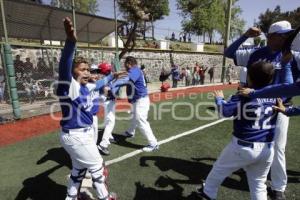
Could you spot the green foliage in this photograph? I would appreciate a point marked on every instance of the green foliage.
(269, 17)
(208, 16)
(85, 6)
(140, 10)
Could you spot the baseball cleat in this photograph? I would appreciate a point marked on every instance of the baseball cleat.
(103, 150)
(200, 193)
(276, 195)
(128, 135)
(150, 148)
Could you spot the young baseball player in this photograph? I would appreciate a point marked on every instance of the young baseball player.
(95, 98)
(77, 133)
(137, 94)
(109, 104)
(277, 35)
(251, 147)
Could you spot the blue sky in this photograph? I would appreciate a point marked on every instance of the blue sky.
(172, 23)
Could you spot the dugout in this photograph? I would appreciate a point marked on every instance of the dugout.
(24, 22)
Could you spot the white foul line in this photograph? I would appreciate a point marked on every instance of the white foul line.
(136, 152)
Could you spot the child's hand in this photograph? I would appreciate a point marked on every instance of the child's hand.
(120, 74)
(280, 107)
(219, 93)
(69, 29)
(245, 91)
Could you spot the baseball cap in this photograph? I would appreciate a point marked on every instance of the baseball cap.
(94, 68)
(280, 27)
(105, 68)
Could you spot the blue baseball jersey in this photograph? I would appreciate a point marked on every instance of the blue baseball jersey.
(95, 96)
(246, 57)
(75, 99)
(254, 119)
(276, 91)
(135, 82)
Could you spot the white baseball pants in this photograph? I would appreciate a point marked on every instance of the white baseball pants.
(255, 161)
(139, 119)
(95, 127)
(81, 146)
(278, 167)
(109, 122)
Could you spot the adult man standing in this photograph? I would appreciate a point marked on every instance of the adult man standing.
(137, 94)
(277, 34)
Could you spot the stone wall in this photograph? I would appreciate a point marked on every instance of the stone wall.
(153, 60)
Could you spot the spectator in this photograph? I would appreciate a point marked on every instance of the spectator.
(211, 72)
(180, 39)
(31, 89)
(55, 66)
(188, 76)
(28, 68)
(41, 69)
(184, 37)
(190, 38)
(19, 67)
(228, 73)
(175, 75)
(173, 37)
(196, 76)
(145, 75)
(202, 74)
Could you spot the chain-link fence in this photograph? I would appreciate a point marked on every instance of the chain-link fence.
(36, 71)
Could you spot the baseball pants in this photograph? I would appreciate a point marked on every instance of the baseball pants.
(278, 167)
(139, 119)
(95, 127)
(109, 122)
(81, 146)
(255, 161)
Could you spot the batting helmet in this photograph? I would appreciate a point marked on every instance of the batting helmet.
(104, 68)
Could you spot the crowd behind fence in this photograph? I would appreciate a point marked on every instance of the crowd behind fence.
(36, 71)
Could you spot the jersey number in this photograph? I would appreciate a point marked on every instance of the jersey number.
(265, 123)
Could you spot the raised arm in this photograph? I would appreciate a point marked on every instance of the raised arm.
(230, 52)
(65, 64)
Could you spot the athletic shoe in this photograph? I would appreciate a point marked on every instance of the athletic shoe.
(113, 141)
(200, 193)
(150, 148)
(112, 196)
(103, 150)
(128, 135)
(276, 195)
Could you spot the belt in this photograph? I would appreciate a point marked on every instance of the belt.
(250, 144)
(75, 129)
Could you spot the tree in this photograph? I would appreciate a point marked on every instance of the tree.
(203, 17)
(269, 17)
(85, 6)
(137, 12)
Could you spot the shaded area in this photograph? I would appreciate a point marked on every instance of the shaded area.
(42, 186)
(195, 171)
(121, 140)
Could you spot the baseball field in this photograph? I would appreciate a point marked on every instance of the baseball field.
(191, 137)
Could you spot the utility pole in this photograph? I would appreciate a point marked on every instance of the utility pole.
(228, 19)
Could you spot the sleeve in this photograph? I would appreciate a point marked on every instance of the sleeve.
(66, 61)
(101, 83)
(293, 111)
(134, 74)
(230, 52)
(65, 80)
(286, 90)
(286, 75)
(115, 86)
(228, 109)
